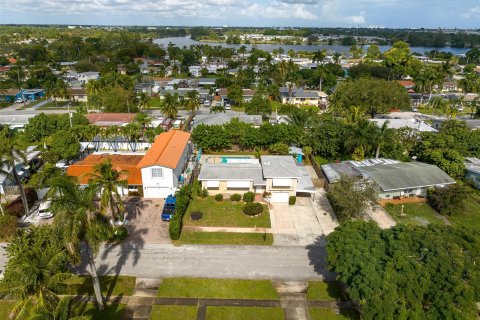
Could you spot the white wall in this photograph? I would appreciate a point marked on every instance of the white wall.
(163, 186)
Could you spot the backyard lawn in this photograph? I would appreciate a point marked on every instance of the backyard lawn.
(173, 312)
(225, 238)
(470, 218)
(324, 291)
(244, 313)
(5, 308)
(415, 214)
(111, 286)
(224, 214)
(329, 314)
(217, 288)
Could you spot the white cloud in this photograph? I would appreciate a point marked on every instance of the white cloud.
(278, 10)
(471, 12)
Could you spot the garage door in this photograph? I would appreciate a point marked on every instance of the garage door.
(280, 196)
(157, 192)
(238, 184)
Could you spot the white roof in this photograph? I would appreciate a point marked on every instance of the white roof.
(405, 123)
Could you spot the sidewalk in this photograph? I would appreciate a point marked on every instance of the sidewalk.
(324, 211)
(229, 229)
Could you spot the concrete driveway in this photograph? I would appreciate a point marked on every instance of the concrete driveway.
(145, 224)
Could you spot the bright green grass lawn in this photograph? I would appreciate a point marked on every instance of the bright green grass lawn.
(225, 238)
(470, 218)
(111, 312)
(415, 214)
(217, 288)
(324, 291)
(244, 313)
(328, 314)
(111, 286)
(224, 214)
(174, 312)
(5, 308)
(155, 103)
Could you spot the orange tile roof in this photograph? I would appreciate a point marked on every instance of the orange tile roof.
(85, 167)
(12, 60)
(110, 117)
(406, 83)
(167, 150)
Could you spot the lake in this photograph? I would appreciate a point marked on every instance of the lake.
(187, 41)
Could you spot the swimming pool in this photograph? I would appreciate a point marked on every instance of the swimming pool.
(231, 159)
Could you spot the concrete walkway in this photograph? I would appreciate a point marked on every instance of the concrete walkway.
(324, 211)
(229, 229)
(381, 217)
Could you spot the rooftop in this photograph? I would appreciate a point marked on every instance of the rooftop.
(221, 118)
(167, 150)
(232, 171)
(472, 165)
(279, 167)
(405, 123)
(334, 171)
(105, 119)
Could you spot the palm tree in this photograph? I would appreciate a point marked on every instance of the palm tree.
(169, 106)
(132, 132)
(144, 101)
(437, 103)
(336, 57)
(143, 120)
(64, 309)
(106, 180)
(473, 106)
(193, 101)
(10, 153)
(471, 83)
(382, 137)
(79, 222)
(360, 137)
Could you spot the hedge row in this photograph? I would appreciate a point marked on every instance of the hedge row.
(184, 195)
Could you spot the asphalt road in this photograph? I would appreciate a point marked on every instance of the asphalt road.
(244, 262)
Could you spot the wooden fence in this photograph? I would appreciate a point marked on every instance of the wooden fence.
(320, 181)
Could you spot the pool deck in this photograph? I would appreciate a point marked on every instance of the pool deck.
(207, 158)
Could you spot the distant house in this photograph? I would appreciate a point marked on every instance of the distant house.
(157, 173)
(299, 96)
(110, 119)
(24, 170)
(394, 179)
(409, 85)
(278, 176)
(472, 171)
(143, 87)
(4, 70)
(82, 77)
(450, 86)
(247, 95)
(195, 71)
(414, 124)
(10, 95)
(222, 118)
(472, 124)
(204, 82)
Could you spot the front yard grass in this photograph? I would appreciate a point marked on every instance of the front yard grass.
(224, 214)
(324, 291)
(217, 289)
(5, 308)
(329, 314)
(111, 312)
(244, 313)
(225, 238)
(415, 214)
(173, 312)
(110, 285)
(470, 217)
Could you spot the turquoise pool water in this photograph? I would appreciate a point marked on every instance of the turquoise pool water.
(225, 159)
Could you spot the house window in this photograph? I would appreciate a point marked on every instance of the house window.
(157, 173)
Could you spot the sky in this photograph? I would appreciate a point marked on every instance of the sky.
(260, 13)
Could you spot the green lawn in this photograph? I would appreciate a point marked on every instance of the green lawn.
(123, 285)
(225, 238)
(328, 314)
(470, 218)
(324, 291)
(217, 288)
(174, 312)
(4, 104)
(5, 308)
(415, 214)
(155, 103)
(111, 312)
(244, 313)
(32, 104)
(224, 214)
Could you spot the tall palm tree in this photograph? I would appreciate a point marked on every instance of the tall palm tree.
(132, 132)
(80, 223)
(382, 136)
(192, 102)
(471, 83)
(106, 180)
(169, 106)
(336, 57)
(64, 309)
(10, 153)
(144, 101)
(360, 138)
(438, 103)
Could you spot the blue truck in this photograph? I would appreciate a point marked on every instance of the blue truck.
(169, 208)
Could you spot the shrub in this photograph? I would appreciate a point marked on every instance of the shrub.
(16, 206)
(184, 195)
(8, 225)
(119, 234)
(449, 200)
(219, 197)
(202, 192)
(278, 148)
(252, 208)
(235, 197)
(292, 200)
(175, 227)
(248, 196)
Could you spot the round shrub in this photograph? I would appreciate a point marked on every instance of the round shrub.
(292, 200)
(252, 208)
(235, 197)
(219, 197)
(202, 192)
(248, 196)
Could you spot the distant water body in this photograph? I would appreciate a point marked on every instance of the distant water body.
(187, 41)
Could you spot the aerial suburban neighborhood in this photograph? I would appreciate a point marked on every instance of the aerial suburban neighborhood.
(230, 173)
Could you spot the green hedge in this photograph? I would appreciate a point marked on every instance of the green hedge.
(219, 197)
(235, 197)
(248, 196)
(184, 195)
(292, 200)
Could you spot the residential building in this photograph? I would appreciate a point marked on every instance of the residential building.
(11, 95)
(408, 85)
(195, 71)
(394, 179)
(222, 118)
(414, 124)
(157, 173)
(110, 119)
(24, 170)
(472, 171)
(143, 87)
(299, 96)
(472, 124)
(247, 95)
(276, 177)
(82, 77)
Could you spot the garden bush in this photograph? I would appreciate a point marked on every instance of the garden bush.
(292, 200)
(219, 197)
(16, 206)
(202, 192)
(248, 196)
(8, 225)
(119, 234)
(235, 197)
(449, 200)
(175, 227)
(252, 208)
(184, 195)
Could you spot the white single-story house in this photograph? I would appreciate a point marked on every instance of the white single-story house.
(299, 96)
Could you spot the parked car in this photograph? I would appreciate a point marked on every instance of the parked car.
(44, 210)
(228, 106)
(169, 208)
(19, 100)
(206, 103)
